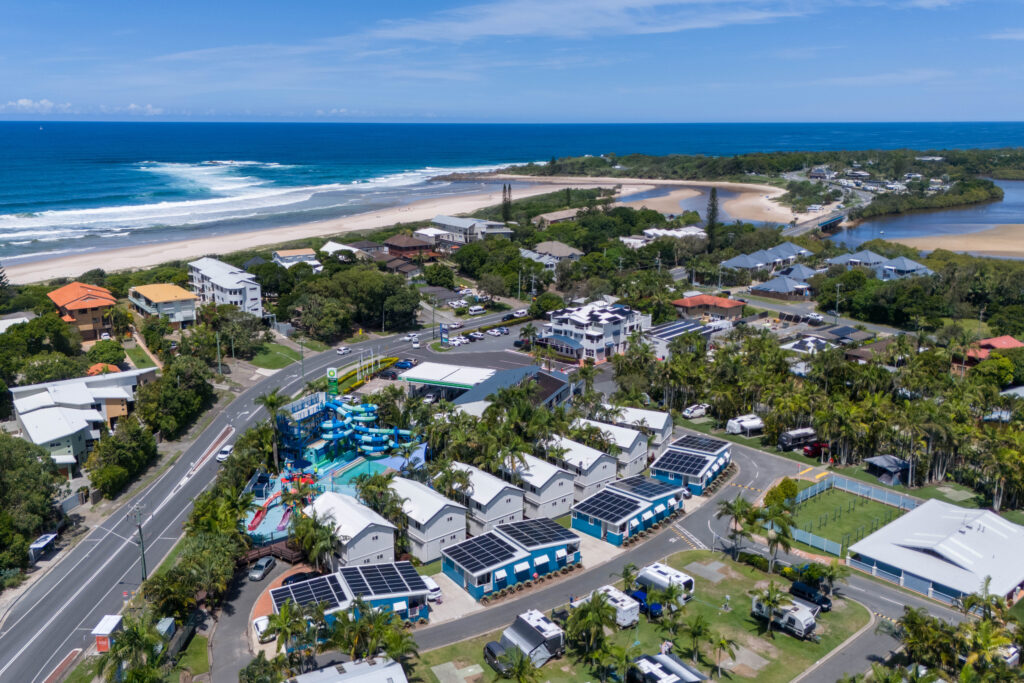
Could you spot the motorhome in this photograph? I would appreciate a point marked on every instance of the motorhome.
(797, 438)
(627, 610)
(535, 636)
(744, 424)
(659, 576)
(795, 618)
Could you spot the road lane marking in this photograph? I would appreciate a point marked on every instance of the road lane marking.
(819, 476)
(803, 472)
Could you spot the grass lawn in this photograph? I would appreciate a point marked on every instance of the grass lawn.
(565, 520)
(140, 358)
(430, 568)
(171, 558)
(842, 517)
(784, 656)
(84, 672)
(314, 345)
(193, 659)
(275, 356)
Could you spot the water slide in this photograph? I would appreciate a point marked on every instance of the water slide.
(262, 512)
(284, 520)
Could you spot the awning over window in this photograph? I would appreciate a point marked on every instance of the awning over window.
(521, 567)
(672, 504)
(633, 523)
(400, 606)
(543, 559)
(647, 515)
(560, 553)
(659, 508)
(64, 459)
(500, 575)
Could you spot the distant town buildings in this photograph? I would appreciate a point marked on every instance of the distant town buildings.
(171, 302)
(83, 306)
(221, 283)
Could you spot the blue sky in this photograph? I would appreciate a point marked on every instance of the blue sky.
(514, 61)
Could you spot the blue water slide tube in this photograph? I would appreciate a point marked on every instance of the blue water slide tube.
(367, 448)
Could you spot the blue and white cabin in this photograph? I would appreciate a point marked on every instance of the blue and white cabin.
(498, 559)
(612, 515)
(693, 461)
(660, 497)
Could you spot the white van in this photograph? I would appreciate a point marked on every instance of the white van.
(476, 310)
(744, 424)
(433, 590)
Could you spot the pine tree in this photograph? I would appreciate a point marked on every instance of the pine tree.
(712, 216)
(5, 285)
(506, 203)
(568, 197)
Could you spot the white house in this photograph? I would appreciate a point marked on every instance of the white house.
(597, 330)
(364, 537)
(331, 248)
(548, 490)
(465, 230)
(65, 417)
(549, 262)
(434, 521)
(220, 283)
(490, 500)
(676, 233)
(171, 302)
(286, 258)
(11, 319)
(632, 455)
(592, 470)
(558, 250)
(433, 236)
(654, 422)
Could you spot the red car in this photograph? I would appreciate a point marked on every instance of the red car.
(816, 450)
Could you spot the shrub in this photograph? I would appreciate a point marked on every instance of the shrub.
(755, 561)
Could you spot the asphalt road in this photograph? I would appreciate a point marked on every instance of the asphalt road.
(58, 612)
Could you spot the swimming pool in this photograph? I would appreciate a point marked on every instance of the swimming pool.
(365, 467)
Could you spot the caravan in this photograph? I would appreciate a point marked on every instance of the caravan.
(627, 610)
(796, 438)
(535, 636)
(659, 576)
(796, 618)
(744, 424)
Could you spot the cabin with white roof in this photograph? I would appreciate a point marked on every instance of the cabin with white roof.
(434, 522)
(548, 490)
(490, 500)
(653, 422)
(592, 470)
(632, 455)
(364, 537)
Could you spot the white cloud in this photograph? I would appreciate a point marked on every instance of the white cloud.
(1010, 34)
(28, 106)
(904, 77)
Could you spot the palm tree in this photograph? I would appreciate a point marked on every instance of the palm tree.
(737, 510)
(628, 576)
(723, 646)
(834, 572)
(587, 624)
(135, 648)
(399, 645)
(989, 607)
(119, 319)
(778, 532)
(317, 538)
(274, 402)
(773, 598)
(528, 331)
(521, 668)
(697, 629)
(289, 625)
(622, 660)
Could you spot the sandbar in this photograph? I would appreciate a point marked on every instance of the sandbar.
(1006, 241)
(668, 203)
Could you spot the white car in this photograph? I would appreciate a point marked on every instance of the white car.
(455, 325)
(225, 453)
(458, 303)
(696, 410)
(415, 343)
(105, 336)
(343, 350)
(494, 333)
(466, 292)
(261, 624)
(521, 313)
(409, 337)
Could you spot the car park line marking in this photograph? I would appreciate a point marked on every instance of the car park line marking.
(803, 472)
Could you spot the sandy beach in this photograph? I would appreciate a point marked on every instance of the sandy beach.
(1005, 241)
(144, 256)
(668, 203)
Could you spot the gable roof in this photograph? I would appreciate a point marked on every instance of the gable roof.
(484, 487)
(623, 437)
(350, 516)
(577, 454)
(707, 300)
(981, 349)
(781, 284)
(652, 419)
(406, 241)
(537, 472)
(557, 249)
(799, 271)
(78, 295)
(421, 502)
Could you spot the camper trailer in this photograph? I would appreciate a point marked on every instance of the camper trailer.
(744, 424)
(658, 576)
(627, 610)
(795, 618)
(536, 636)
(797, 438)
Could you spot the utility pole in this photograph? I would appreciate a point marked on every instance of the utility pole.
(136, 514)
(835, 316)
(302, 357)
(657, 261)
(520, 295)
(533, 285)
(719, 278)
(382, 316)
(220, 370)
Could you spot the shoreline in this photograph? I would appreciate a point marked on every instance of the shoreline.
(148, 255)
(1003, 241)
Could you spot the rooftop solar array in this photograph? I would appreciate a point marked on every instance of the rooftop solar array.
(383, 579)
(701, 444)
(682, 463)
(533, 533)
(645, 487)
(608, 506)
(325, 589)
(481, 552)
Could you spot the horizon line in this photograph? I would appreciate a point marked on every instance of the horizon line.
(508, 123)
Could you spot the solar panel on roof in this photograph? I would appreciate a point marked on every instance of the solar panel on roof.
(682, 463)
(645, 487)
(703, 444)
(608, 506)
(322, 589)
(383, 579)
(480, 552)
(532, 533)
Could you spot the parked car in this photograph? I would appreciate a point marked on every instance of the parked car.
(404, 364)
(560, 616)
(388, 374)
(415, 343)
(503, 330)
(696, 410)
(260, 626)
(653, 610)
(815, 318)
(494, 332)
(430, 398)
(476, 310)
(508, 316)
(520, 313)
(458, 303)
(225, 452)
(812, 595)
(343, 350)
(350, 398)
(299, 577)
(816, 450)
(465, 291)
(262, 567)
(493, 652)
(433, 590)
(105, 336)
(476, 336)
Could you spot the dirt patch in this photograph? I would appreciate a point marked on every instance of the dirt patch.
(762, 585)
(759, 645)
(743, 671)
(461, 663)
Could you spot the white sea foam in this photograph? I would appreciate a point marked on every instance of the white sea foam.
(226, 192)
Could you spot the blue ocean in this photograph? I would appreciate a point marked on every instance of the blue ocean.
(71, 187)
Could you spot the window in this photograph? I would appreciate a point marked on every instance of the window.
(450, 517)
(374, 538)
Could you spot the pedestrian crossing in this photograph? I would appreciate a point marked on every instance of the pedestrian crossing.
(689, 538)
(749, 488)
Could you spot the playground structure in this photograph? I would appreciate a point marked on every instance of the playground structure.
(324, 444)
